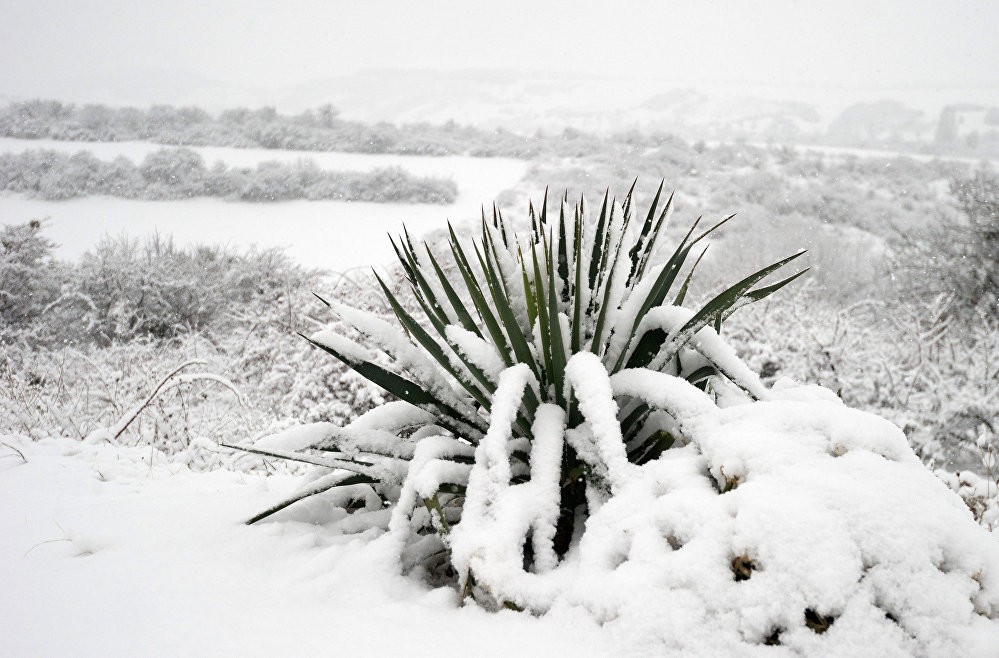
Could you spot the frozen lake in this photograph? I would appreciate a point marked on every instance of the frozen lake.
(331, 234)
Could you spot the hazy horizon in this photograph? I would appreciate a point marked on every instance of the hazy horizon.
(64, 49)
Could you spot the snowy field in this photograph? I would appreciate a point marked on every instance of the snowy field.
(110, 550)
(106, 554)
(328, 234)
(123, 551)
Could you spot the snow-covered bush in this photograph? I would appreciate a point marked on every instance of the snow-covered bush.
(124, 289)
(567, 434)
(181, 174)
(82, 345)
(570, 286)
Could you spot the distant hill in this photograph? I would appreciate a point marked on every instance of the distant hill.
(526, 102)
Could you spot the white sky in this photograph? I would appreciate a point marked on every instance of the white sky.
(884, 44)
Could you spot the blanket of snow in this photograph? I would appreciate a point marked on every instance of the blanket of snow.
(334, 235)
(112, 550)
(105, 554)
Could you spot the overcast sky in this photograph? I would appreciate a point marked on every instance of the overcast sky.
(864, 44)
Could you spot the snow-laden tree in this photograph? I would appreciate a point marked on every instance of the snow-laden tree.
(959, 257)
(29, 275)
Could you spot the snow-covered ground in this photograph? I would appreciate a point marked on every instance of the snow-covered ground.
(110, 550)
(329, 234)
(103, 553)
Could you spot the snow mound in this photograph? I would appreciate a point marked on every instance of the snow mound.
(791, 526)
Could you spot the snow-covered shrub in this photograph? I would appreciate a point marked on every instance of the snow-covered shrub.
(73, 391)
(567, 434)
(83, 344)
(181, 174)
(124, 289)
(569, 287)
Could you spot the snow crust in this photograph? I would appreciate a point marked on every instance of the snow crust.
(295, 438)
(592, 387)
(707, 343)
(393, 416)
(498, 515)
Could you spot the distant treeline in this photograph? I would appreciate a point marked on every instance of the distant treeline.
(881, 125)
(181, 173)
(313, 130)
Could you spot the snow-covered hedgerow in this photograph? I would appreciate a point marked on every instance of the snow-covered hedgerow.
(571, 435)
(182, 174)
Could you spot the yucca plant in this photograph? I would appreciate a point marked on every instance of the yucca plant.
(503, 378)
